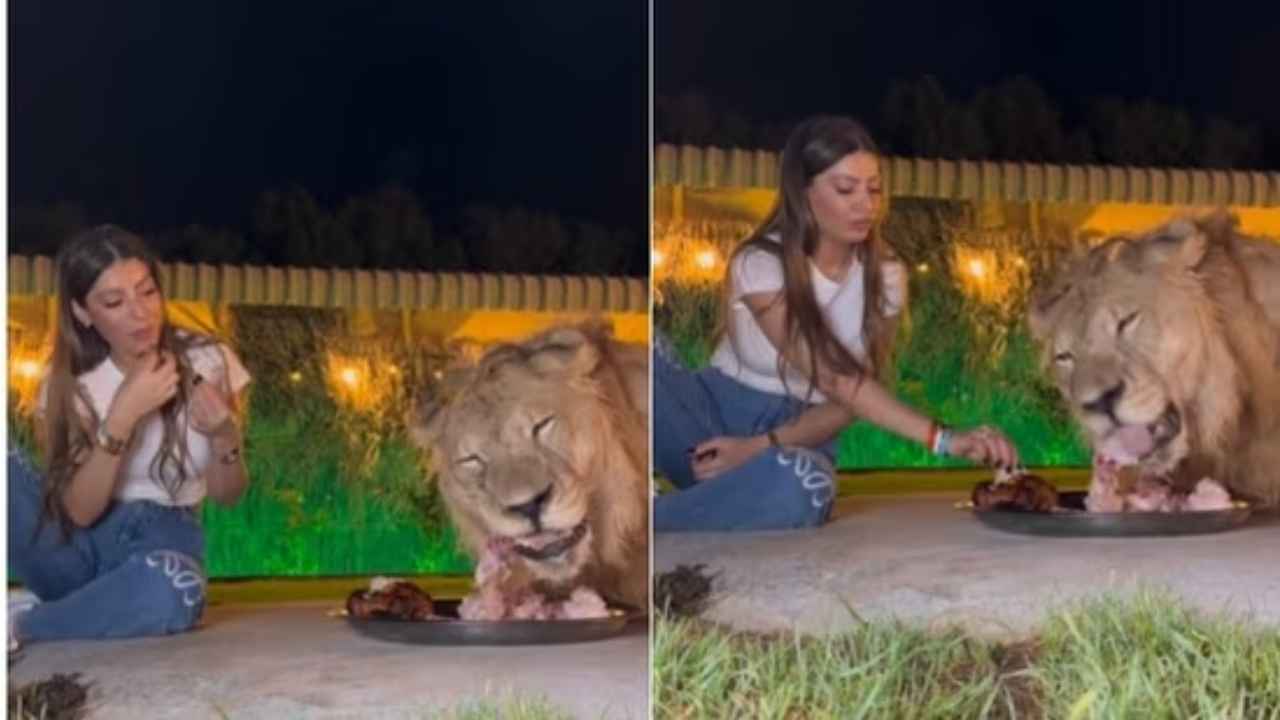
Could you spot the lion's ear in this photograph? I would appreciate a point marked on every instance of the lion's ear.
(1220, 224)
(1182, 242)
(425, 417)
(569, 349)
(1049, 295)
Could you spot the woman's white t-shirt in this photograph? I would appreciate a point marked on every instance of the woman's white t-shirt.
(746, 354)
(217, 363)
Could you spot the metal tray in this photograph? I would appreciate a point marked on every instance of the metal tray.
(1072, 520)
(454, 631)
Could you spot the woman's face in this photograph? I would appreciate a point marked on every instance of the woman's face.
(845, 198)
(125, 307)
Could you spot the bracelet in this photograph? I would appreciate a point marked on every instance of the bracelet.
(109, 442)
(942, 447)
(773, 439)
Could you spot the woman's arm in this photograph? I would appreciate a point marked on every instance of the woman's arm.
(149, 384)
(811, 429)
(93, 483)
(816, 426)
(227, 476)
(865, 397)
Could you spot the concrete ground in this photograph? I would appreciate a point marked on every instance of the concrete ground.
(293, 660)
(918, 558)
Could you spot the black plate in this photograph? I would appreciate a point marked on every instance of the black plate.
(1074, 521)
(453, 631)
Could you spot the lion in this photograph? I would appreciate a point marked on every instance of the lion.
(1168, 344)
(546, 444)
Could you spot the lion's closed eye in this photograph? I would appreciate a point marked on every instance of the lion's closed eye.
(1128, 322)
(543, 426)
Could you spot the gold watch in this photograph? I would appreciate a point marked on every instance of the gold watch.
(106, 441)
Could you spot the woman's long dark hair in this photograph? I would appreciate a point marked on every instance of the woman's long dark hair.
(813, 146)
(78, 349)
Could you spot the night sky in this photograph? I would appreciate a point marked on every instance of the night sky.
(159, 115)
(163, 114)
(777, 62)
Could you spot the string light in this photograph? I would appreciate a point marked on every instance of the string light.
(295, 376)
(350, 376)
(923, 267)
(977, 268)
(29, 369)
(707, 259)
(658, 257)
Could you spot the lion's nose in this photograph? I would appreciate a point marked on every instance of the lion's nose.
(533, 508)
(1105, 402)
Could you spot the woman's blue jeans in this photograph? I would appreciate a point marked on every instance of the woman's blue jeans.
(138, 570)
(780, 488)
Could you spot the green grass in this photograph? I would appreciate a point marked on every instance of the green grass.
(1144, 656)
(304, 515)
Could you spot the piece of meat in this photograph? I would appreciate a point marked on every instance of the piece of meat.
(494, 563)
(494, 598)
(1208, 495)
(1151, 495)
(1118, 488)
(1104, 489)
(533, 606)
(400, 600)
(584, 603)
(1024, 492)
(484, 603)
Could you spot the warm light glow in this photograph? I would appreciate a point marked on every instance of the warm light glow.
(439, 374)
(923, 267)
(707, 259)
(350, 376)
(29, 369)
(1020, 262)
(658, 257)
(977, 268)
(295, 376)
(393, 369)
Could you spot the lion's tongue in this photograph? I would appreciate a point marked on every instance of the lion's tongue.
(1126, 445)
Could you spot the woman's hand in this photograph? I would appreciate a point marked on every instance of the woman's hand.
(209, 410)
(719, 455)
(150, 383)
(985, 446)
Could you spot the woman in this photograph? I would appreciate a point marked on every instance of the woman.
(750, 441)
(138, 422)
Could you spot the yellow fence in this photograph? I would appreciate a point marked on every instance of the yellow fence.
(694, 183)
(469, 306)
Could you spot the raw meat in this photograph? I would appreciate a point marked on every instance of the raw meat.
(495, 598)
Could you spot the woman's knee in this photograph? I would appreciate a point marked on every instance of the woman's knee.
(808, 483)
(172, 590)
